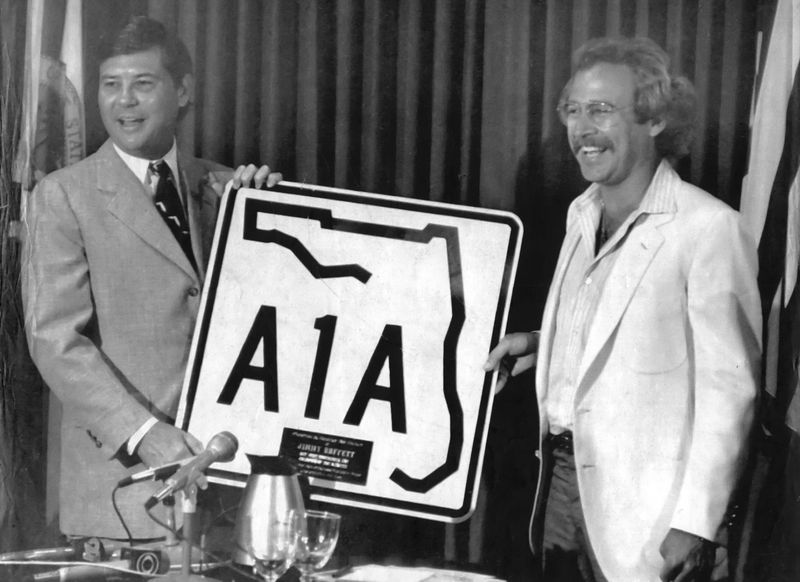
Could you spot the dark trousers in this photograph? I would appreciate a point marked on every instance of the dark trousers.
(568, 555)
(776, 550)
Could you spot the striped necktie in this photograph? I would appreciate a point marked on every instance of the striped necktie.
(169, 205)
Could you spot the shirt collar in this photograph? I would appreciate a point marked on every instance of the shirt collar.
(660, 195)
(658, 198)
(140, 166)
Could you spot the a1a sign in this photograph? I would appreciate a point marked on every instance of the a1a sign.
(347, 332)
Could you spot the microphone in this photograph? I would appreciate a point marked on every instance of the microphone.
(222, 447)
(86, 573)
(155, 473)
(42, 554)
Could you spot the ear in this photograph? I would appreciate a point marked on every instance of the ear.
(656, 126)
(185, 91)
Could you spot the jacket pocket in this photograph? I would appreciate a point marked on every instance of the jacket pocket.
(652, 337)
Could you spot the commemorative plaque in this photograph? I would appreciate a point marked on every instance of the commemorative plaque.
(346, 331)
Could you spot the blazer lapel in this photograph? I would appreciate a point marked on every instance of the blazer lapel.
(200, 201)
(635, 258)
(130, 203)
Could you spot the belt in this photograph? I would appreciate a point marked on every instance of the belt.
(561, 441)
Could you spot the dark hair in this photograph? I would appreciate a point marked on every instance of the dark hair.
(658, 95)
(141, 34)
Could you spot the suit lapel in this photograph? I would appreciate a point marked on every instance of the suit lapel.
(131, 204)
(636, 255)
(200, 201)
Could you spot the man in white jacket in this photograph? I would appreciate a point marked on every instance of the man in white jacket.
(648, 359)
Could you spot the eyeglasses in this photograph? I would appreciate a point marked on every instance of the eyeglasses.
(599, 113)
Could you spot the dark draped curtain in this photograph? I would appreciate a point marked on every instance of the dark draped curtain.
(448, 100)
(438, 99)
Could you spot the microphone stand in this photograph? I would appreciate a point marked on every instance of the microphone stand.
(169, 505)
(189, 506)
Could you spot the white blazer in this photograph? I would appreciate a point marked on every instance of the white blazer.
(667, 384)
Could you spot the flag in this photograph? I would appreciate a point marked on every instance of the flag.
(72, 58)
(769, 548)
(51, 136)
(53, 124)
(770, 204)
(30, 94)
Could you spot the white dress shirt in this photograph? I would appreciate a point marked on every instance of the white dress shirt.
(580, 293)
(141, 169)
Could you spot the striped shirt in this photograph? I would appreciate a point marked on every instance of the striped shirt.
(581, 291)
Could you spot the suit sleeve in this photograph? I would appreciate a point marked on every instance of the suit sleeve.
(58, 308)
(724, 313)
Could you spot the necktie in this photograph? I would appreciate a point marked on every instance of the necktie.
(169, 205)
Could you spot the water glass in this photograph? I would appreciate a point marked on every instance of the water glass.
(273, 550)
(316, 541)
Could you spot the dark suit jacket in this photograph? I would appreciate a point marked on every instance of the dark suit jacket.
(110, 306)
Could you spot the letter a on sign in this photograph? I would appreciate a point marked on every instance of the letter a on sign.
(262, 332)
(346, 331)
(390, 349)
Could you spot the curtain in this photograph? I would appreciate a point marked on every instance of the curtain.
(433, 99)
(448, 100)
(23, 405)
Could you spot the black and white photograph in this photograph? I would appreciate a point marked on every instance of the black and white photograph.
(400, 290)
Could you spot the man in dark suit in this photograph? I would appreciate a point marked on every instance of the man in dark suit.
(114, 258)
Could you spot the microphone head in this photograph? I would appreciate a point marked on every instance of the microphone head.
(224, 446)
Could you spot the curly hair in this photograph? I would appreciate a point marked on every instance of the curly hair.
(141, 33)
(658, 95)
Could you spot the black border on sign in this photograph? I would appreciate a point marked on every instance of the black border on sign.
(507, 219)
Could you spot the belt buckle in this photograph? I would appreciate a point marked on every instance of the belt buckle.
(562, 441)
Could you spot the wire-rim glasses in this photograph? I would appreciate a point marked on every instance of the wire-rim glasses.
(600, 113)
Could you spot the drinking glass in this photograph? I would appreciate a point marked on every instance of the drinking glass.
(273, 550)
(316, 541)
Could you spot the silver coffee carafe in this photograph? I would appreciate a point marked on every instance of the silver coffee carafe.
(272, 489)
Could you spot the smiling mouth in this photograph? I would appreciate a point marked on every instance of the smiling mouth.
(129, 123)
(590, 152)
